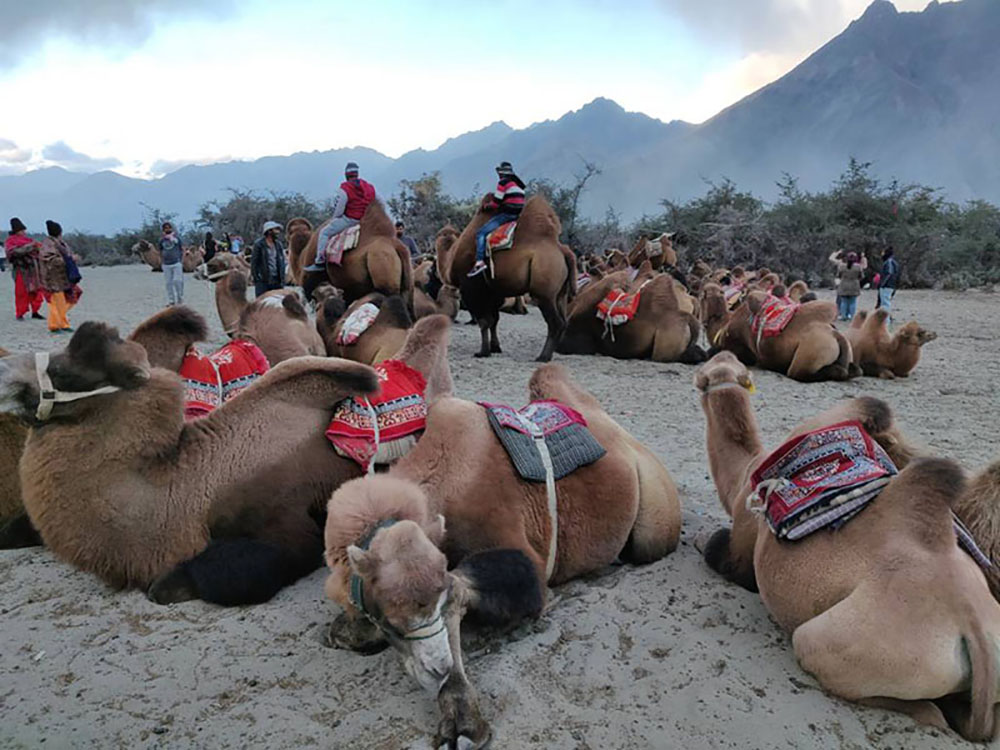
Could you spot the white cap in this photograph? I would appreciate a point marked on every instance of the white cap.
(269, 225)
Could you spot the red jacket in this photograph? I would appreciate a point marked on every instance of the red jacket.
(359, 195)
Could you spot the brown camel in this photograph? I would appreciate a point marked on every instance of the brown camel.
(808, 349)
(537, 264)
(482, 542)
(12, 437)
(382, 340)
(192, 258)
(230, 274)
(660, 329)
(149, 253)
(447, 302)
(887, 610)
(979, 509)
(883, 356)
(659, 251)
(380, 262)
(227, 508)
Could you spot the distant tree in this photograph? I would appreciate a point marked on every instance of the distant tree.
(424, 207)
(246, 211)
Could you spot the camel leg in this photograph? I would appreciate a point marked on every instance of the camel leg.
(556, 322)
(494, 339)
(488, 332)
(500, 586)
(729, 552)
(18, 532)
(356, 633)
(922, 712)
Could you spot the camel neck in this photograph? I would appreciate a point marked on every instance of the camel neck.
(733, 441)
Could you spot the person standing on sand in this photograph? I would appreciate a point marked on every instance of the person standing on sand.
(209, 247)
(267, 261)
(59, 277)
(410, 243)
(171, 254)
(22, 251)
(888, 279)
(850, 272)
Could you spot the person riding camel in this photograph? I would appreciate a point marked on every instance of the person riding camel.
(508, 200)
(349, 205)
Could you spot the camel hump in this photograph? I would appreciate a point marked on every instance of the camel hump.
(294, 307)
(179, 321)
(393, 312)
(930, 487)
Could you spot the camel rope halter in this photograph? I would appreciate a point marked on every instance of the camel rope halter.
(48, 396)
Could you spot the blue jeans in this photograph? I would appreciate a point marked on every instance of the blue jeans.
(484, 231)
(847, 307)
(335, 227)
(173, 276)
(885, 297)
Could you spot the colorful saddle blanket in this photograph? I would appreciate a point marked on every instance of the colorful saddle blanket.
(582, 280)
(773, 318)
(618, 307)
(820, 479)
(733, 295)
(570, 444)
(501, 238)
(210, 381)
(341, 242)
(382, 427)
(359, 321)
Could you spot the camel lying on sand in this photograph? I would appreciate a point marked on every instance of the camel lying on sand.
(380, 262)
(381, 340)
(230, 274)
(979, 509)
(887, 610)
(149, 253)
(808, 349)
(418, 548)
(192, 258)
(537, 264)
(659, 330)
(12, 437)
(883, 356)
(227, 508)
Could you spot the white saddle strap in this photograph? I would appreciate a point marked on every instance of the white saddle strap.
(550, 489)
(48, 396)
(373, 415)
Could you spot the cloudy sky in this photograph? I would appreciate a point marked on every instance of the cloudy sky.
(146, 86)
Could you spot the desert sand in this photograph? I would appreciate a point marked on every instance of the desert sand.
(662, 656)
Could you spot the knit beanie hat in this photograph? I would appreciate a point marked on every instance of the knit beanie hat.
(16, 225)
(351, 168)
(505, 168)
(53, 228)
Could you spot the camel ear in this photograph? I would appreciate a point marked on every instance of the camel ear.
(363, 563)
(700, 380)
(435, 530)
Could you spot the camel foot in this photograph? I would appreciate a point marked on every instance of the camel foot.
(461, 726)
(18, 533)
(355, 634)
(481, 354)
(173, 587)
(718, 558)
(543, 357)
(854, 371)
(495, 349)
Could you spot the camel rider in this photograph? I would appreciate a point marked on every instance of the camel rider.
(349, 205)
(508, 200)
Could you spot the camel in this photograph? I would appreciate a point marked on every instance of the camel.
(230, 274)
(447, 302)
(887, 610)
(227, 508)
(382, 340)
(12, 437)
(881, 356)
(659, 251)
(149, 253)
(979, 509)
(429, 542)
(660, 329)
(380, 262)
(808, 349)
(192, 258)
(537, 264)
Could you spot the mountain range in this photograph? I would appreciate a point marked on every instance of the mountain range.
(916, 94)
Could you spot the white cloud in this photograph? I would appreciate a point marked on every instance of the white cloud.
(62, 154)
(13, 157)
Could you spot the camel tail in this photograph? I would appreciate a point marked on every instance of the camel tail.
(984, 684)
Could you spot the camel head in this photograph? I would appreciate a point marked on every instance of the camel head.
(296, 226)
(713, 302)
(220, 265)
(701, 269)
(723, 370)
(141, 247)
(798, 290)
(400, 577)
(768, 281)
(912, 334)
(95, 359)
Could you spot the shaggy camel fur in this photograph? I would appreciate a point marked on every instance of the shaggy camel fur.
(538, 264)
(883, 356)
(230, 274)
(492, 529)
(381, 341)
(192, 258)
(660, 330)
(228, 508)
(979, 509)
(809, 349)
(149, 253)
(380, 262)
(887, 610)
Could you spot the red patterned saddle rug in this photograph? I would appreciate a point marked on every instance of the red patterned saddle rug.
(773, 318)
(501, 238)
(617, 307)
(820, 479)
(211, 380)
(382, 427)
(341, 242)
(359, 321)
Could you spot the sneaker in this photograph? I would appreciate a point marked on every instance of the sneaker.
(478, 268)
(36, 316)
(68, 329)
(315, 267)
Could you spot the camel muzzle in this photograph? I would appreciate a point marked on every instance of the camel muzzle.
(49, 396)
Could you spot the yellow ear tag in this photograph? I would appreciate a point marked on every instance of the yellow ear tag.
(751, 388)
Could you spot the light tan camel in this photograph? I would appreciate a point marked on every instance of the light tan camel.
(382, 340)
(228, 508)
(149, 253)
(482, 542)
(887, 610)
(883, 356)
(537, 264)
(809, 349)
(979, 509)
(380, 262)
(192, 258)
(660, 329)
(230, 273)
